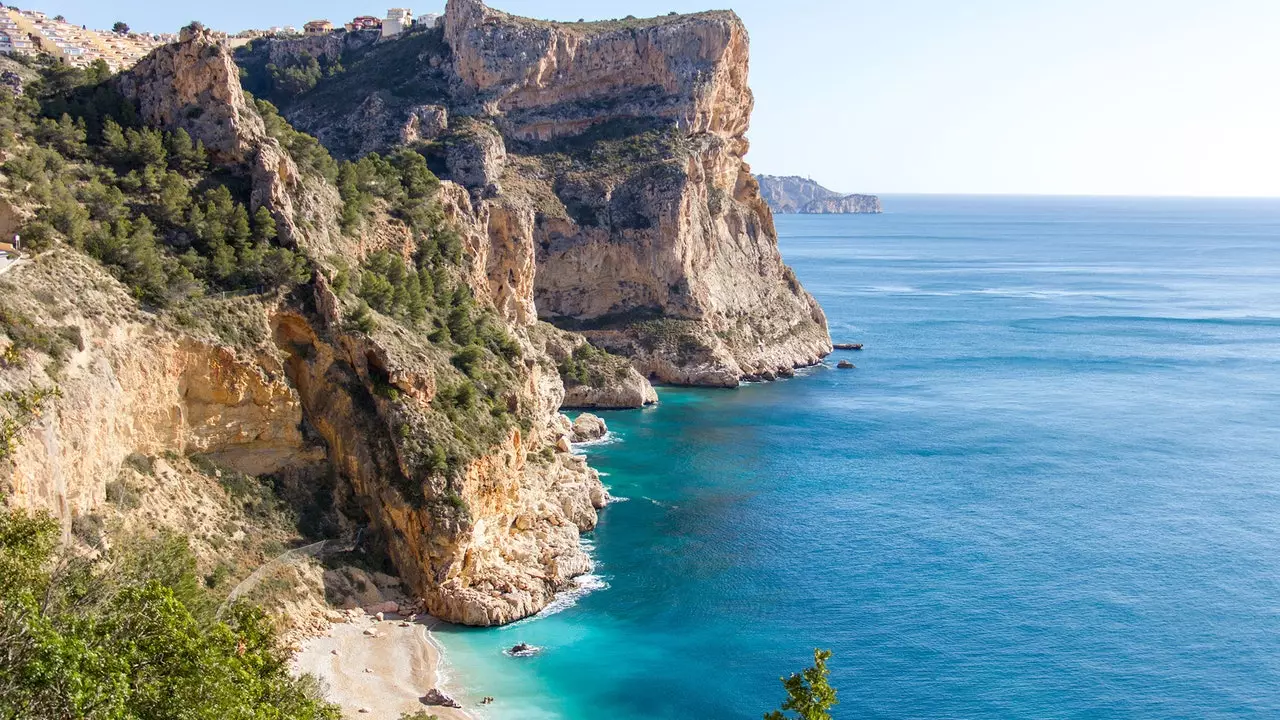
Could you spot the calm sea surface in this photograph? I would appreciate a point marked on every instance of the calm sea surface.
(1051, 489)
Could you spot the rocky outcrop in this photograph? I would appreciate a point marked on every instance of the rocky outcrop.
(195, 85)
(592, 379)
(588, 427)
(488, 546)
(632, 390)
(614, 151)
(545, 80)
(671, 235)
(795, 194)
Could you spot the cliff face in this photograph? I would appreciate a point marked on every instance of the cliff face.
(666, 254)
(795, 194)
(130, 386)
(476, 500)
(594, 178)
(548, 80)
(614, 152)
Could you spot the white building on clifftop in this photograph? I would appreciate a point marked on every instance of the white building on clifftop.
(398, 20)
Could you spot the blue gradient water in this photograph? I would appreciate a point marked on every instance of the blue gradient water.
(1051, 489)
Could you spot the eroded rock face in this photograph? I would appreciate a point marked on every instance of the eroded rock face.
(670, 259)
(195, 85)
(130, 388)
(548, 80)
(489, 548)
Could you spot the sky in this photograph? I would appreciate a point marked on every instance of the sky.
(1089, 97)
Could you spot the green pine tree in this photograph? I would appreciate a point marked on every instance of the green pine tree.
(809, 694)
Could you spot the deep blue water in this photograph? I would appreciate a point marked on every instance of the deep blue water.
(1051, 489)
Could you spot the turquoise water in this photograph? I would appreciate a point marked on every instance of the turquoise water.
(1051, 489)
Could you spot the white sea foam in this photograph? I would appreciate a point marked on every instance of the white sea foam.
(583, 585)
(615, 499)
(608, 438)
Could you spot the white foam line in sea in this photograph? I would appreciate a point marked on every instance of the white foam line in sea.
(583, 585)
(608, 438)
(444, 680)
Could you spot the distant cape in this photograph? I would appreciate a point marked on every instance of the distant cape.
(794, 194)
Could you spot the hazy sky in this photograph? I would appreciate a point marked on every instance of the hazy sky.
(1139, 97)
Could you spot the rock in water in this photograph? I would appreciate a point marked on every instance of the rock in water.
(845, 365)
(588, 427)
(439, 699)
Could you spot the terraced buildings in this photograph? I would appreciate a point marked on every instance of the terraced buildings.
(29, 32)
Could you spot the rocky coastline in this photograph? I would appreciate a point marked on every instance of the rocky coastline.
(596, 228)
(794, 194)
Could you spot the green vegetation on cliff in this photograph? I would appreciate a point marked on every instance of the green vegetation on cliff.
(131, 634)
(143, 201)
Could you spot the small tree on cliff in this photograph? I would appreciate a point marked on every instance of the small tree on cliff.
(809, 694)
(120, 28)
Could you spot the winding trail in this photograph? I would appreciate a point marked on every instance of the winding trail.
(323, 547)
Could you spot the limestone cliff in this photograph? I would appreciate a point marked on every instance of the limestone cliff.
(594, 177)
(456, 460)
(615, 152)
(793, 194)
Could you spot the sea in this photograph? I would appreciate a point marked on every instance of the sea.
(1049, 489)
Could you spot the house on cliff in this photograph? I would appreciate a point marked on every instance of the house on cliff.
(398, 20)
(317, 27)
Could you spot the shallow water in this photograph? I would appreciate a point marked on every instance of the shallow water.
(1051, 489)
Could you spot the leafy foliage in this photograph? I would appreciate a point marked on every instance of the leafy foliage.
(144, 202)
(131, 635)
(591, 366)
(809, 694)
(306, 151)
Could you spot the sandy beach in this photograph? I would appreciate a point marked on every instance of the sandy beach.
(377, 676)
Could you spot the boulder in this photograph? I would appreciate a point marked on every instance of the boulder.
(588, 427)
(845, 365)
(439, 699)
(383, 608)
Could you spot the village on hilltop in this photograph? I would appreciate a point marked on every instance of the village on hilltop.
(31, 32)
(398, 20)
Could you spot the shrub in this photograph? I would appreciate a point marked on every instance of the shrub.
(131, 634)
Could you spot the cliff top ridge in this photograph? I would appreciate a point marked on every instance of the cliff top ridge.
(595, 27)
